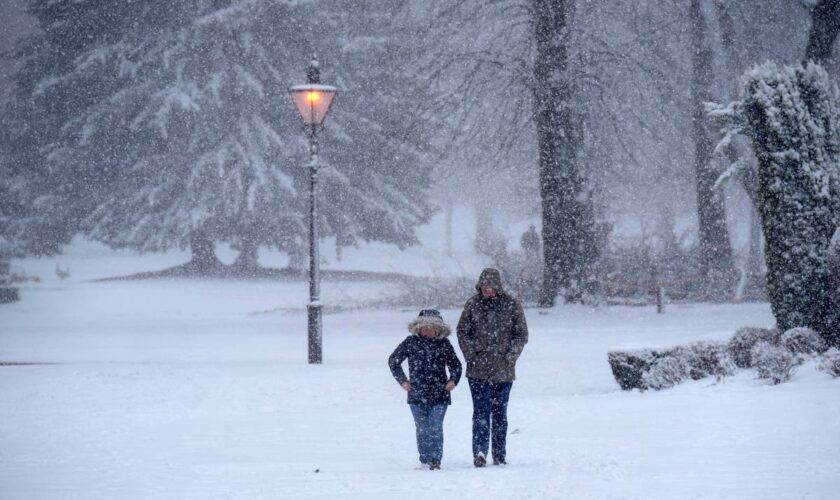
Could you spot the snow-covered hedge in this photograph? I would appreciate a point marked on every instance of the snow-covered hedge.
(773, 356)
(773, 362)
(629, 367)
(830, 362)
(649, 369)
(803, 340)
(666, 372)
(745, 338)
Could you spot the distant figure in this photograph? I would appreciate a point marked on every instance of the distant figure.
(530, 242)
(62, 273)
(429, 354)
(492, 334)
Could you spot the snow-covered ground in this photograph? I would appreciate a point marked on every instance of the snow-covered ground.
(200, 389)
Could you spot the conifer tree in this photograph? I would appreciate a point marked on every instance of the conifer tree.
(167, 124)
(792, 116)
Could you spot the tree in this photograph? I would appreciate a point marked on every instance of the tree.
(714, 248)
(187, 136)
(505, 76)
(568, 215)
(825, 26)
(792, 116)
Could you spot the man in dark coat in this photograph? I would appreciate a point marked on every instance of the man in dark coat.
(491, 333)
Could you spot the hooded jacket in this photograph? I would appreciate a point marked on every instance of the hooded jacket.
(492, 332)
(428, 360)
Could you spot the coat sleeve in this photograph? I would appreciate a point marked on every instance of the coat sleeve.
(453, 363)
(466, 332)
(519, 336)
(395, 362)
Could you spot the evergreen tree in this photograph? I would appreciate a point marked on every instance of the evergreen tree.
(168, 124)
(792, 116)
(377, 166)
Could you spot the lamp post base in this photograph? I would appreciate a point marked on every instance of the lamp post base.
(314, 313)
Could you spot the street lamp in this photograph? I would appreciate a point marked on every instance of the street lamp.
(313, 102)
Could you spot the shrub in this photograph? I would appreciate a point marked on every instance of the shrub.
(773, 362)
(647, 369)
(803, 340)
(667, 371)
(745, 338)
(830, 362)
(709, 359)
(629, 367)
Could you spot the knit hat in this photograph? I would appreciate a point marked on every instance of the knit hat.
(430, 317)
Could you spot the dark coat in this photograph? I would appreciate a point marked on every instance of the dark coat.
(428, 359)
(492, 332)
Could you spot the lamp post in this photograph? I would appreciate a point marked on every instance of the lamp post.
(313, 102)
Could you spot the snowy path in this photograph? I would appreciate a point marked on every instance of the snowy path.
(201, 390)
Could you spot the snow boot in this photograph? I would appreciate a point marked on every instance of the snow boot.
(479, 460)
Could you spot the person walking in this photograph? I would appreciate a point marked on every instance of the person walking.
(429, 354)
(492, 334)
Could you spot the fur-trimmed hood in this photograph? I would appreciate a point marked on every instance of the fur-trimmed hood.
(443, 330)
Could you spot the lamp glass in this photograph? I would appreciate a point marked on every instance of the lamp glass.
(313, 101)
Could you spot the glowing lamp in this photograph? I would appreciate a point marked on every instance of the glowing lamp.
(313, 101)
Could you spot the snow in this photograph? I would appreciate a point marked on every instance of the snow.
(200, 389)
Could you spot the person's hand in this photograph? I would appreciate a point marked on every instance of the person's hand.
(406, 386)
(450, 386)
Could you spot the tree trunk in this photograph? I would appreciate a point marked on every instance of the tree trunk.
(825, 26)
(756, 283)
(7, 293)
(204, 258)
(248, 255)
(567, 231)
(716, 264)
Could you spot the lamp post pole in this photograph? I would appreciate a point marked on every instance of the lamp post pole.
(314, 307)
(313, 102)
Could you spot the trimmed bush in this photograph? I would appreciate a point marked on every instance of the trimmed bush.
(745, 338)
(803, 340)
(666, 371)
(773, 362)
(629, 367)
(830, 362)
(647, 369)
(709, 359)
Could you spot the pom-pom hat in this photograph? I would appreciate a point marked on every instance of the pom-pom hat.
(430, 317)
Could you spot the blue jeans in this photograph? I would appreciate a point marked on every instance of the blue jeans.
(489, 415)
(428, 419)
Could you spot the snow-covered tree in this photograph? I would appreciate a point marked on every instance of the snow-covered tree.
(825, 26)
(186, 135)
(792, 116)
(378, 162)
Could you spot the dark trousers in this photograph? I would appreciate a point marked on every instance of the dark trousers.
(428, 421)
(489, 416)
